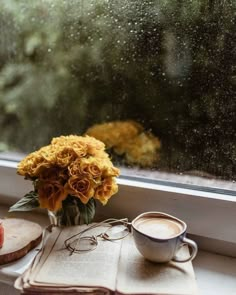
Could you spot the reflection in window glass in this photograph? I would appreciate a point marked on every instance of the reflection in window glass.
(163, 72)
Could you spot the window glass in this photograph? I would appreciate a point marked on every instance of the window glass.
(160, 77)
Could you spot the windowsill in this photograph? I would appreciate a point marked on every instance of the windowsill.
(210, 269)
(208, 213)
(210, 217)
(215, 274)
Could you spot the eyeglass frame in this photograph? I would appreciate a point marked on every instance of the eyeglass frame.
(94, 238)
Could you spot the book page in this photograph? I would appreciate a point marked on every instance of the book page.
(97, 268)
(137, 275)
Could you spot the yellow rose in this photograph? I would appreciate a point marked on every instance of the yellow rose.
(104, 191)
(61, 140)
(51, 194)
(108, 169)
(81, 188)
(111, 171)
(25, 164)
(94, 146)
(65, 156)
(78, 146)
(81, 151)
(54, 174)
(77, 143)
(74, 168)
(38, 167)
(90, 167)
(116, 132)
(48, 154)
(142, 150)
(32, 165)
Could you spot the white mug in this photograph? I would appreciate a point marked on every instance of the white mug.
(158, 237)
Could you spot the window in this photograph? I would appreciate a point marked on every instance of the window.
(166, 68)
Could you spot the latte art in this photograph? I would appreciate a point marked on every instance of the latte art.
(160, 228)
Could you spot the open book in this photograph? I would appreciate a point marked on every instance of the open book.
(112, 268)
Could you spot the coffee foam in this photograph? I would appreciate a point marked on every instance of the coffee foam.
(159, 227)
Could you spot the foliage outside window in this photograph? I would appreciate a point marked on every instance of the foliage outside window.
(168, 65)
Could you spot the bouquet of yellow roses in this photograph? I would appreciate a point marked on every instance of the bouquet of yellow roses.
(68, 176)
(128, 140)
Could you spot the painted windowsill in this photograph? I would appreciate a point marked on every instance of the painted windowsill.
(215, 274)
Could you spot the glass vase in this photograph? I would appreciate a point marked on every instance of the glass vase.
(70, 216)
(73, 212)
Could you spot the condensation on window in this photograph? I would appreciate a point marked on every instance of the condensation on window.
(166, 69)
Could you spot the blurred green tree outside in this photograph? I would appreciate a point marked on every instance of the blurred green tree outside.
(169, 65)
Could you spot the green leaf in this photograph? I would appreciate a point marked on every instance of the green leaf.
(87, 211)
(27, 203)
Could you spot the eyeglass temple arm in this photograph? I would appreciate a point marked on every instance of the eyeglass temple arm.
(114, 221)
(108, 221)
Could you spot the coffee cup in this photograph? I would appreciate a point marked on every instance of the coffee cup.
(158, 237)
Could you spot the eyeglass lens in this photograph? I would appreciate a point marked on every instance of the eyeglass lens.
(116, 232)
(79, 243)
(82, 244)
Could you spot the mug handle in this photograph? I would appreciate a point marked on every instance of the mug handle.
(194, 248)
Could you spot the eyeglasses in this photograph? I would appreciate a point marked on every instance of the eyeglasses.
(110, 229)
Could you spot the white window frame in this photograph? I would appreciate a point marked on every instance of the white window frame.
(207, 214)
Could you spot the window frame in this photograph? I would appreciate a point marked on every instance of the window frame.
(208, 214)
